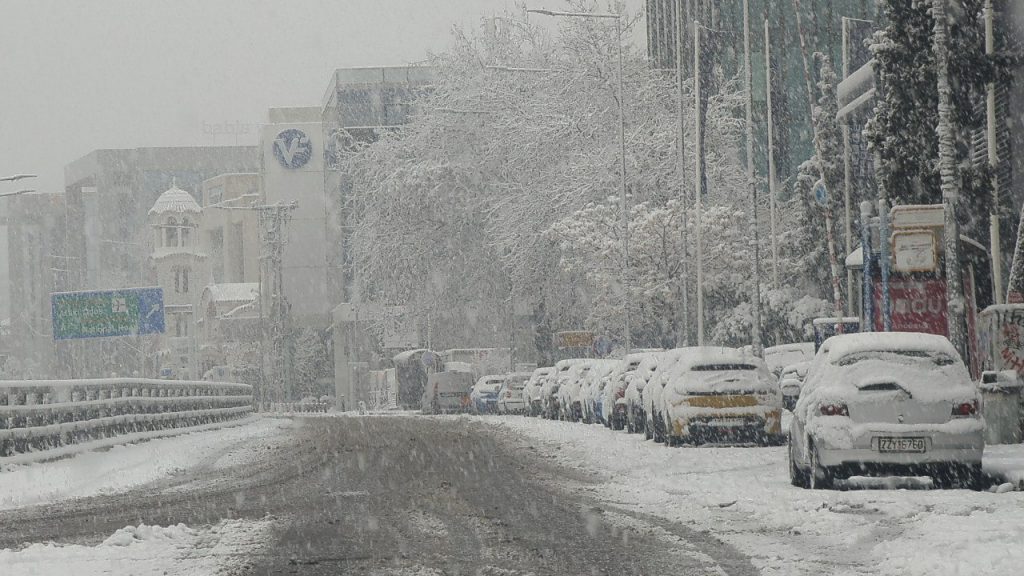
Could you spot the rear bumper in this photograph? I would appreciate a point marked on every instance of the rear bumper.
(753, 424)
(940, 447)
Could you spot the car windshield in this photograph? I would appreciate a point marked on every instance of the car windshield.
(430, 287)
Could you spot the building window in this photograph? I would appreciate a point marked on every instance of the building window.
(181, 279)
(171, 233)
(185, 230)
(180, 325)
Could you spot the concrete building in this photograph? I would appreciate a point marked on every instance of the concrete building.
(108, 194)
(359, 105)
(230, 228)
(37, 267)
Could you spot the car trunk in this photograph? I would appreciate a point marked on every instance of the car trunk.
(887, 403)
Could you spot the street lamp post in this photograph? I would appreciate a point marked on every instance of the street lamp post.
(622, 155)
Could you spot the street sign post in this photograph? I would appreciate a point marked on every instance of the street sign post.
(107, 313)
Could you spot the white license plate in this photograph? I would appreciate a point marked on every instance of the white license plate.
(728, 423)
(889, 444)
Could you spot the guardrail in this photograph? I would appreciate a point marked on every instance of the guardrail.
(315, 406)
(40, 415)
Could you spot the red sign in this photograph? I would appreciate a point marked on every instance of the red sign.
(917, 306)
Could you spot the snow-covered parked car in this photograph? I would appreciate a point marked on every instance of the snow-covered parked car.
(778, 357)
(612, 403)
(569, 405)
(654, 420)
(633, 397)
(531, 393)
(887, 403)
(721, 394)
(484, 395)
(594, 383)
(790, 381)
(510, 395)
(550, 408)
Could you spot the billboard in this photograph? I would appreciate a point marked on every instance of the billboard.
(107, 313)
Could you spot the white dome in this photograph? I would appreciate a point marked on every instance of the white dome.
(175, 201)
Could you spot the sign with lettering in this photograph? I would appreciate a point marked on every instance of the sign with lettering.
(102, 314)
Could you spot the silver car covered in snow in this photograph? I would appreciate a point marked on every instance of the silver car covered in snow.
(887, 403)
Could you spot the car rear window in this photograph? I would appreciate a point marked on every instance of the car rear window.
(722, 367)
(909, 357)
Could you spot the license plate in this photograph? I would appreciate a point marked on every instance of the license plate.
(728, 422)
(886, 444)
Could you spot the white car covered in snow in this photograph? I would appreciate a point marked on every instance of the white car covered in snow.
(887, 403)
(635, 384)
(531, 393)
(717, 394)
(510, 395)
(651, 395)
(590, 393)
(790, 382)
(778, 357)
(549, 398)
(569, 405)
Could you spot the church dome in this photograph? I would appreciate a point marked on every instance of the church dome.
(175, 201)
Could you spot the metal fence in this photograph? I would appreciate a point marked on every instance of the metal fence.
(39, 415)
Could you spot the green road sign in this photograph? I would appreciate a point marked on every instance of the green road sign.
(128, 312)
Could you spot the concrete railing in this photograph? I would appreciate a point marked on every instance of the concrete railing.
(39, 415)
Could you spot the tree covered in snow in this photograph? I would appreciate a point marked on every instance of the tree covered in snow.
(903, 130)
(505, 188)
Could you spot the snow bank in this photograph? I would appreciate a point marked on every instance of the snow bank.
(143, 551)
(124, 467)
(743, 496)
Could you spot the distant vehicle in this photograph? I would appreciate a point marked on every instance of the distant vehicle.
(721, 394)
(887, 403)
(484, 394)
(510, 395)
(412, 369)
(447, 392)
(790, 381)
(531, 393)
(778, 357)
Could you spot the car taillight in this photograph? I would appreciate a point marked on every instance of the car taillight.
(620, 393)
(966, 408)
(834, 410)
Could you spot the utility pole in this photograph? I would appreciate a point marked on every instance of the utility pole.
(950, 182)
(684, 339)
(994, 232)
(755, 327)
(275, 311)
(771, 154)
(698, 177)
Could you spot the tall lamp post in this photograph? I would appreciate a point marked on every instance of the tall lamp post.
(622, 154)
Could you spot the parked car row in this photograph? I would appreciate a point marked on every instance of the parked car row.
(863, 405)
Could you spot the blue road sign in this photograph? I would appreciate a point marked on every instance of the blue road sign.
(107, 313)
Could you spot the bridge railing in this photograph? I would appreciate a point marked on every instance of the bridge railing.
(37, 415)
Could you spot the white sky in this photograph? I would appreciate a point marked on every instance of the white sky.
(77, 76)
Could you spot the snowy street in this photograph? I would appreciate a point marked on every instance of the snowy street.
(405, 494)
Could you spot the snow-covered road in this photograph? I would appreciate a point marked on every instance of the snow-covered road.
(743, 496)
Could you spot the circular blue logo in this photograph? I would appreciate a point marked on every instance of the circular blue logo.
(292, 148)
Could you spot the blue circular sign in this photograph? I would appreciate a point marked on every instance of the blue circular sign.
(292, 148)
(821, 193)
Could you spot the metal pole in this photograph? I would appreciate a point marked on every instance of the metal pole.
(625, 200)
(867, 298)
(755, 325)
(950, 182)
(884, 263)
(771, 154)
(995, 239)
(847, 175)
(684, 336)
(698, 178)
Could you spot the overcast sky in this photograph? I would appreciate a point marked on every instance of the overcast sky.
(77, 76)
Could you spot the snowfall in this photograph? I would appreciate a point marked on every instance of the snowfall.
(740, 495)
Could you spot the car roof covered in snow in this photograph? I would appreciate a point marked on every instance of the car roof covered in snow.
(701, 355)
(844, 344)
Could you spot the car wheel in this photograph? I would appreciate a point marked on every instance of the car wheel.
(797, 477)
(659, 428)
(820, 477)
(617, 423)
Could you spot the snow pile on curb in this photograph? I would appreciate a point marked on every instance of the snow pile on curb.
(144, 551)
